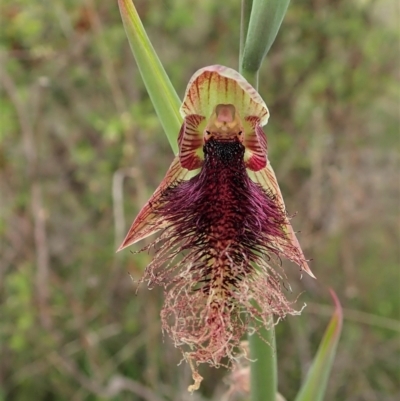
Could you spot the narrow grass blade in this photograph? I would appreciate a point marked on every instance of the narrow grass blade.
(317, 378)
(162, 94)
(246, 7)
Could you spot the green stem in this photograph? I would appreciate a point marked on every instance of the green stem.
(263, 371)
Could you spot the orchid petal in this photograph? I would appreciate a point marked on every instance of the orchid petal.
(147, 222)
(267, 179)
(190, 142)
(255, 143)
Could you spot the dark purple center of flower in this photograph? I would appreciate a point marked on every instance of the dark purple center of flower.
(226, 154)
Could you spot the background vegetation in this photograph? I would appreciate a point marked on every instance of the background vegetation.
(81, 150)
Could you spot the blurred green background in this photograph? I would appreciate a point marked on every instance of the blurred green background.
(81, 151)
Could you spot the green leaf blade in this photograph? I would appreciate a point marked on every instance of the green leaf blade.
(265, 20)
(316, 381)
(159, 87)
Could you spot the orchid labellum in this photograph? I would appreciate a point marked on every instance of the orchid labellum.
(222, 222)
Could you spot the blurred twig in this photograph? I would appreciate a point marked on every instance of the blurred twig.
(118, 198)
(40, 365)
(116, 384)
(37, 205)
(356, 316)
(109, 70)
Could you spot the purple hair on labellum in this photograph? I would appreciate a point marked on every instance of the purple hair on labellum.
(227, 226)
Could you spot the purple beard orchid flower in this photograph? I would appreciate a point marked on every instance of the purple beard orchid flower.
(223, 222)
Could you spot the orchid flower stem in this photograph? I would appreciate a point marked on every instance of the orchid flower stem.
(264, 370)
(263, 381)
